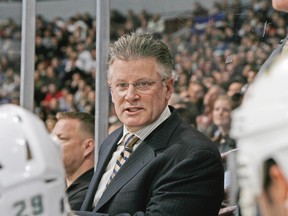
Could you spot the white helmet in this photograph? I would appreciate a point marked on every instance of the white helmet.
(32, 178)
(260, 126)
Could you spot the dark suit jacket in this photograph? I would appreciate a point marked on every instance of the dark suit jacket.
(77, 190)
(175, 171)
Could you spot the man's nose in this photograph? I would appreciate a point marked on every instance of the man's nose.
(131, 91)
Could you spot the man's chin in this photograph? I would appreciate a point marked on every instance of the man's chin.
(133, 127)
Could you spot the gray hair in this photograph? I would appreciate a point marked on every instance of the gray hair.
(134, 46)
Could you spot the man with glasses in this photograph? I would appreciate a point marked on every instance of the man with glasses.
(155, 164)
(75, 133)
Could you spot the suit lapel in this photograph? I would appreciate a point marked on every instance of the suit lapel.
(144, 154)
(137, 161)
(107, 149)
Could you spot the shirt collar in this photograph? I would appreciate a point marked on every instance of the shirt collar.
(145, 131)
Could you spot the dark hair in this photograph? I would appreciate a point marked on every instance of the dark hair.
(87, 120)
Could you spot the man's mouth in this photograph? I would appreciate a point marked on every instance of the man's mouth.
(132, 109)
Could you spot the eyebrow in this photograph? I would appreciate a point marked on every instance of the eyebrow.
(140, 79)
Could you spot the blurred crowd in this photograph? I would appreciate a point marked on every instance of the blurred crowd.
(217, 52)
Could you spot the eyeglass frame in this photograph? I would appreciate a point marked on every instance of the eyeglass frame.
(150, 83)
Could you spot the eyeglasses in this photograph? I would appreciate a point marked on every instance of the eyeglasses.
(141, 86)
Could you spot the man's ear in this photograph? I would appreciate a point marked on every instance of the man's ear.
(169, 86)
(111, 92)
(89, 147)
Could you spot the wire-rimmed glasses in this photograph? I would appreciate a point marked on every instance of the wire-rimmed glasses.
(141, 86)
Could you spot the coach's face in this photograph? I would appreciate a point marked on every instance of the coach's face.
(139, 93)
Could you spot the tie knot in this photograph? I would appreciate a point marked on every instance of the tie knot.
(131, 139)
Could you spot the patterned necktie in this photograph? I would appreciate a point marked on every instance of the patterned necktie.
(124, 155)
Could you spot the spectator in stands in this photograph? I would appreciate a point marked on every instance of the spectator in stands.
(75, 131)
(10, 84)
(143, 27)
(78, 28)
(156, 24)
(199, 10)
(196, 92)
(250, 77)
(222, 119)
(235, 92)
(84, 57)
(204, 121)
(51, 95)
(234, 87)
(50, 123)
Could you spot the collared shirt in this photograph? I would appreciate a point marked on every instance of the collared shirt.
(141, 134)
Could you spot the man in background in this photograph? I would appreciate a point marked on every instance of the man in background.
(75, 130)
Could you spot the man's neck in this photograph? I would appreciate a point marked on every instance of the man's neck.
(71, 177)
